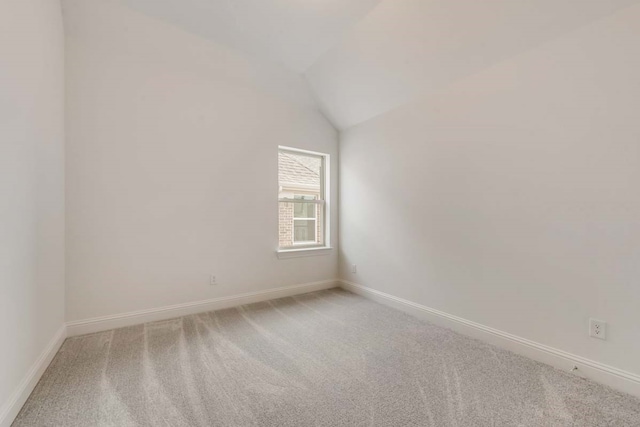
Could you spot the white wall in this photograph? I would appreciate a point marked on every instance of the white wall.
(510, 197)
(31, 186)
(172, 165)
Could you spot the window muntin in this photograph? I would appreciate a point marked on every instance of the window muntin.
(301, 198)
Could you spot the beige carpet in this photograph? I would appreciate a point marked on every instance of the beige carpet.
(330, 358)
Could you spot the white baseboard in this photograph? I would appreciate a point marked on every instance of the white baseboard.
(613, 377)
(98, 324)
(12, 406)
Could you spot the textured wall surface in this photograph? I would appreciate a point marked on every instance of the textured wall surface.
(510, 197)
(31, 185)
(172, 165)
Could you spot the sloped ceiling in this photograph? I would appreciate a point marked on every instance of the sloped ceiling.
(363, 58)
(409, 48)
(292, 32)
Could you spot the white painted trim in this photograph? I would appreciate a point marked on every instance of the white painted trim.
(105, 323)
(613, 377)
(12, 406)
(300, 150)
(302, 252)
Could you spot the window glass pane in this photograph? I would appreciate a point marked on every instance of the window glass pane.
(285, 234)
(304, 210)
(297, 231)
(304, 231)
(320, 225)
(299, 171)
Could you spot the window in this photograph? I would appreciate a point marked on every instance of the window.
(301, 198)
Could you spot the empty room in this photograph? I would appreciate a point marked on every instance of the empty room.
(319, 213)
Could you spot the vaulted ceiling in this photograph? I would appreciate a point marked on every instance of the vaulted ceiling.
(363, 58)
(292, 32)
(409, 48)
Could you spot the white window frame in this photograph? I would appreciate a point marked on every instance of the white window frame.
(323, 202)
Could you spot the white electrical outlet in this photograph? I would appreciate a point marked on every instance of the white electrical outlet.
(212, 280)
(598, 329)
(354, 268)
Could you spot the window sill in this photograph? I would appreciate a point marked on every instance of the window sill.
(303, 252)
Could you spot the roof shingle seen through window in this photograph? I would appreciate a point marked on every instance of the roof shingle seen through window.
(294, 169)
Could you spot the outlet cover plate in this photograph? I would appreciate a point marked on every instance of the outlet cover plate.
(598, 329)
